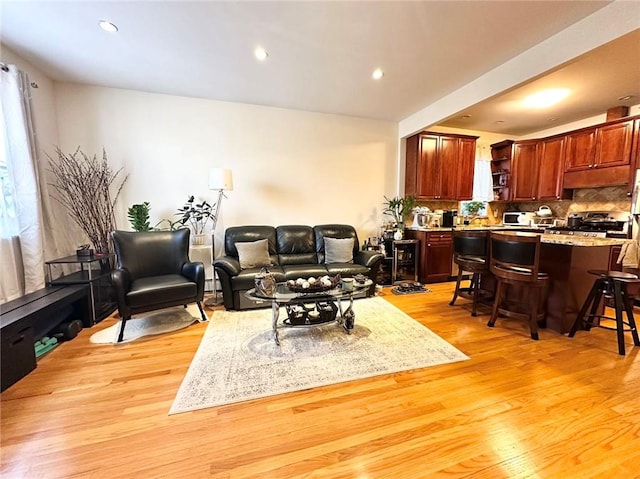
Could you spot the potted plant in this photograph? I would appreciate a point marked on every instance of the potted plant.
(472, 208)
(139, 217)
(196, 216)
(399, 208)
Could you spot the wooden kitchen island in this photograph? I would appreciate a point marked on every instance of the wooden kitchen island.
(567, 260)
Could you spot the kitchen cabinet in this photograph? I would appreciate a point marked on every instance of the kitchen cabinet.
(524, 170)
(581, 150)
(635, 156)
(537, 170)
(613, 145)
(501, 153)
(466, 166)
(439, 167)
(551, 154)
(436, 255)
(599, 156)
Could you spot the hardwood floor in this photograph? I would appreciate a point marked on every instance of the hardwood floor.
(555, 408)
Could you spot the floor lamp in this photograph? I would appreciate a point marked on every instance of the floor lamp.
(220, 179)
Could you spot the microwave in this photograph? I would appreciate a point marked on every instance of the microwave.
(512, 218)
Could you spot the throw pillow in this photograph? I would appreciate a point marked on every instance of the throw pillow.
(338, 250)
(253, 254)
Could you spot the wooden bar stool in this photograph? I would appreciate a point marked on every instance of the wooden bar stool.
(515, 261)
(612, 285)
(470, 253)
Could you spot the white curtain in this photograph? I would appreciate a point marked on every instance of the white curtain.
(21, 218)
(482, 182)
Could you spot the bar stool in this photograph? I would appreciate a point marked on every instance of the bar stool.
(470, 253)
(612, 285)
(515, 261)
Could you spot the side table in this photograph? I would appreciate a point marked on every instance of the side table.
(204, 254)
(95, 271)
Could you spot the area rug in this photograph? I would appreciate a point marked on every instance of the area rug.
(151, 324)
(238, 359)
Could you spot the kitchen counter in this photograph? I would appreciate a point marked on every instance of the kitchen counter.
(570, 240)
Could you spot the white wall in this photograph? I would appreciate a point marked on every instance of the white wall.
(289, 167)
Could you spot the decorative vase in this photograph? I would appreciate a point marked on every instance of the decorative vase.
(265, 282)
(398, 234)
(198, 239)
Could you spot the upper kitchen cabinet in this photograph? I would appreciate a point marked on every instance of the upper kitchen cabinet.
(501, 154)
(466, 165)
(599, 156)
(524, 170)
(551, 154)
(440, 166)
(613, 144)
(534, 171)
(635, 156)
(581, 150)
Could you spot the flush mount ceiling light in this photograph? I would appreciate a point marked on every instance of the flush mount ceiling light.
(546, 98)
(377, 74)
(260, 53)
(107, 26)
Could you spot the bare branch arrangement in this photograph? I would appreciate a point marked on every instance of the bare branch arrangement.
(84, 188)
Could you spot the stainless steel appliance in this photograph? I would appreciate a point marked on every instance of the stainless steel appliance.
(596, 224)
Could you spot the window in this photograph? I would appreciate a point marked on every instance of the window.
(474, 208)
(8, 220)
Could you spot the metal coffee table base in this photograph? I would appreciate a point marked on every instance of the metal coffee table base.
(346, 318)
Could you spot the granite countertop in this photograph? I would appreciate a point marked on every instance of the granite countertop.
(570, 240)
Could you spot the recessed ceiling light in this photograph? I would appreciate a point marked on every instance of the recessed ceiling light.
(625, 98)
(377, 74)
(260, 53)
(107, 26)
(465, 117)
(546, 98)
(553, 118)
(499, 121)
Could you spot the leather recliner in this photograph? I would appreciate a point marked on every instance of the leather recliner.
(295, 251)
(154, 272)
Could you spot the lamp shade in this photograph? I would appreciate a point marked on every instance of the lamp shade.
(220, 179)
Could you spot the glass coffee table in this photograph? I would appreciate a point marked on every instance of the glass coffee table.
(311, 309)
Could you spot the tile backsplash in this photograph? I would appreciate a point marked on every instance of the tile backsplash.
(610, 198)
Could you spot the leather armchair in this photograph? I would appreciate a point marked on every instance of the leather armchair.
(154, 272)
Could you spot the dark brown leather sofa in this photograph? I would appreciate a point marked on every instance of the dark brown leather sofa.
(295, 251)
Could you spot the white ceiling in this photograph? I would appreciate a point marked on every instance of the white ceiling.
(321, 54)
(596, 81)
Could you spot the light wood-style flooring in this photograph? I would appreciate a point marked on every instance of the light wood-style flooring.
(555, 408)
